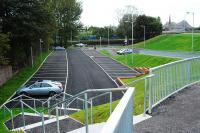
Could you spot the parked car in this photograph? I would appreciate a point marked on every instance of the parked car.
(41, 87)
(80, 44)
(125, 51)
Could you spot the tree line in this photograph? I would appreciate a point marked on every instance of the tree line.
(24, 23)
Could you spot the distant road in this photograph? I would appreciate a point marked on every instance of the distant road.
(181, 55)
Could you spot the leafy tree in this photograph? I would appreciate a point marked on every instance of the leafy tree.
(27, 21)
(152, 25)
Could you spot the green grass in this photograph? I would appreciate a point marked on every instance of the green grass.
(17, 80)
(105, 52)
(172, 42)
(140, 60)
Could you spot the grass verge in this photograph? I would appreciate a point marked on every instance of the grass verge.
(7, 89)
(172, 42)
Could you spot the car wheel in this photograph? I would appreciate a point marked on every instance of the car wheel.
(24, 93)
(51, 93)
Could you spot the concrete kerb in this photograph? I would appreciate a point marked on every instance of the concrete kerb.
(27, 79)
(101, 68)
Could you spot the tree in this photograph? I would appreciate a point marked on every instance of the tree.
(152, 25)
(27, 21)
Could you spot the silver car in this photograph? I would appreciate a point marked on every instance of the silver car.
(43, 87)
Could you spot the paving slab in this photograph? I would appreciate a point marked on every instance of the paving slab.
(177, 114)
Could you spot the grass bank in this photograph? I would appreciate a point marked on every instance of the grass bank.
(7, 89)
(172, 42)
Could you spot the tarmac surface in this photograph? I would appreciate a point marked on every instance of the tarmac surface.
(85, 74)
(178, 114)
(113, 68)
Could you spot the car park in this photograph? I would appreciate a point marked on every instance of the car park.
(125, 51)
(80, 45)
(41, 87)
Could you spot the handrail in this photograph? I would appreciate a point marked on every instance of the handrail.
(171, 63)
(14, 99)
(87, 91)
(98, 96)
(30, 107)
(137, 80)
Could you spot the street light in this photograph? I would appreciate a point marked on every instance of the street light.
(41, 49)
(100, 41)
(108, 37)
(192, 29)
(144, 34)
(131, 35)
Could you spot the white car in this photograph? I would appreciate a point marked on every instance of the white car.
(125, 51)
(80, 45)
(41, 87)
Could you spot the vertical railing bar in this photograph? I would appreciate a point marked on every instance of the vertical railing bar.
(86, 112)
(150, 92)
(145, 95)
(91, 111)
(22, 108)
(12, 119)
(110, 103)
(43, 125)
(34, 104)
(57, 120)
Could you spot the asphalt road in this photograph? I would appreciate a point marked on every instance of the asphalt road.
(177, 114)
(85, 74)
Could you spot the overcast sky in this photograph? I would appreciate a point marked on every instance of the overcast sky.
(103, 12)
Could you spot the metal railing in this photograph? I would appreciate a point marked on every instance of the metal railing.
(19, 100)
(121, 120)
(87, 101)
(171, 78)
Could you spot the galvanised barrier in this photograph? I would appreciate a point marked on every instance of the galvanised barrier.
(170, 78)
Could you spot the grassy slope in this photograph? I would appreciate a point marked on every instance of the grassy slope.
(17, 80)
(143, 60)
(11, 85)
(101, 112)
(172, 42)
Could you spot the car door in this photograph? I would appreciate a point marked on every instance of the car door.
(34, 89)
(45, 88)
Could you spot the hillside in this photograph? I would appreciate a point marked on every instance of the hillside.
(172, 42)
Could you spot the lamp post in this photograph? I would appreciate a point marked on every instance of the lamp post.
(108, 37)
(144, 27)
(192, 29)
(41, 49)
(100, 41)
(131, 35)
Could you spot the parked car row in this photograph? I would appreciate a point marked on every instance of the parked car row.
(80, 45)
(41, 87)
(125, 51)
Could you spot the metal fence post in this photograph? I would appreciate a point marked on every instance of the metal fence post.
(150, 92)
(110, 103)
(91, 111)
(43, 126)
(34, 105)
(145, 95)
(86, 113)
(22, 107)
(57, 119)
(12, 119)
(4, 112)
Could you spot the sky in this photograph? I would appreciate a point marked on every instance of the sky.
(103, 12)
